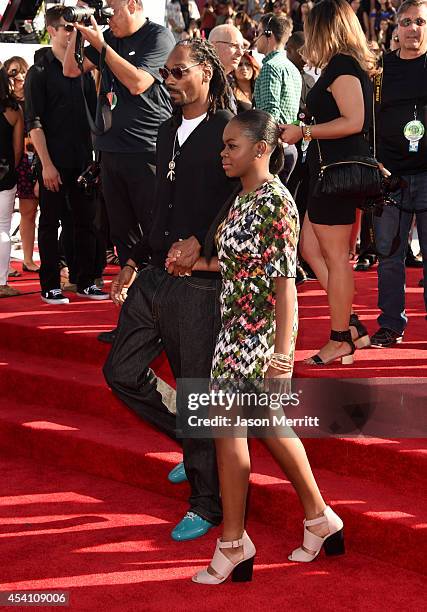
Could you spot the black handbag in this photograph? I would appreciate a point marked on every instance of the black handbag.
(355, 177)
(358, 177)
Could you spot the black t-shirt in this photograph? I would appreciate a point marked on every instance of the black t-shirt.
(322, 106)
(55, 103)
(136, 119)
(404, 86)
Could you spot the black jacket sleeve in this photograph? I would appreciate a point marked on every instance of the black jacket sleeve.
(35, 97)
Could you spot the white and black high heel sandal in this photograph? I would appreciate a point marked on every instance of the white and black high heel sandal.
(333, 542)
(223, 566)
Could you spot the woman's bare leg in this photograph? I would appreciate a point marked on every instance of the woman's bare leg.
(310, 250)
(27, 227)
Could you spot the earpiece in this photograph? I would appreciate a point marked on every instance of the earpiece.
(268, 33)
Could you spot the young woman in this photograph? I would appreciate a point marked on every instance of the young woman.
(341, 104)
(17, 68)
(245, 76)
(257, 243)
(12, 142)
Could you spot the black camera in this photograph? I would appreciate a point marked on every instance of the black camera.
(389, 185)
(89, 179)
(96, 8)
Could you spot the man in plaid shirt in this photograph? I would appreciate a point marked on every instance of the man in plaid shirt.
(278, 87)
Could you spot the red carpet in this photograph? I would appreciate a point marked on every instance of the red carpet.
(86, 507)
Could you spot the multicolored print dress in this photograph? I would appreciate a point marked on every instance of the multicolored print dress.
(257, 243)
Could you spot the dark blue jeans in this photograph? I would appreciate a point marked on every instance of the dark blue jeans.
(182, 317)
(391, 270)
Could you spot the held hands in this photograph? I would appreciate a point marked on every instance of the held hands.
(120, 285)
(182, 256)
(93, 35)
(290, 134)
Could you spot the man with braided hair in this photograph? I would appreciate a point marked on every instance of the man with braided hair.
(178, 310)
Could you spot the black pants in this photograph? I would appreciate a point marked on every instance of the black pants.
(180, 316)
(128, 184)
(76, 212)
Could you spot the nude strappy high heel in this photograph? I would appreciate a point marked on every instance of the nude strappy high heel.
(240, 572)
(333, 542)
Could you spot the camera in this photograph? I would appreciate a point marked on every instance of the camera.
(89, 179)
(389, 185)
(96, 8)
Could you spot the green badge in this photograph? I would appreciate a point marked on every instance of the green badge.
(413, 131)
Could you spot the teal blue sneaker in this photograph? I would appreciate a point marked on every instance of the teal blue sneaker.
(191, 527)
(178, 474)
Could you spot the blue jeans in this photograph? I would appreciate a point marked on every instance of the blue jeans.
(391, 270)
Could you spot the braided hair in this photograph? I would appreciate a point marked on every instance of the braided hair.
(220, 93)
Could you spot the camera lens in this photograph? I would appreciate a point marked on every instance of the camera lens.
(78, 14)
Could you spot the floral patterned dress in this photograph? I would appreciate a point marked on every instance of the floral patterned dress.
(257, 243)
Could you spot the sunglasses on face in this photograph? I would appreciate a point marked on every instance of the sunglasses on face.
(14, 73)
(407, 21)
(67, 27)
(176, 72)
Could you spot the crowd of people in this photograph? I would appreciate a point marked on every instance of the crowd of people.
(215, 145)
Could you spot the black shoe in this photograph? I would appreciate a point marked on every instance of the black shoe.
(26, 269)
(301, 276)
(364, 262)
(54, 296)
(108, 337)
(385, 337)
(413, 261)
(309, 274)
(93, 293)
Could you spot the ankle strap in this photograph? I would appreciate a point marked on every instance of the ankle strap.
(231, 544)
(343, 336)
(316, 521)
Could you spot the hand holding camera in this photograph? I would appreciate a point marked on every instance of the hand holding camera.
(87, 17)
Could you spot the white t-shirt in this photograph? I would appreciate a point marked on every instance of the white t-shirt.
(187, 127)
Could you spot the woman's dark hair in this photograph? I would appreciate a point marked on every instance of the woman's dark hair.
(258, 125)
(220, 94)
(7, 99)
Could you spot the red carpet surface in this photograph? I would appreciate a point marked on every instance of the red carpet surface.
(86, 506)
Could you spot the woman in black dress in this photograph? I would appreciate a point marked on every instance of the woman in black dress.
(341, 104)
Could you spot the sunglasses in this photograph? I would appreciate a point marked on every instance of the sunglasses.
(407, 21)
(176, 72)
(14, 73)
(67, 27)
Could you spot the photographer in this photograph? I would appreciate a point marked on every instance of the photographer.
(56, 120)
(135, 102)
(402, 121)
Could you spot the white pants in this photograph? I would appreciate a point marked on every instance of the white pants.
(7, 201)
